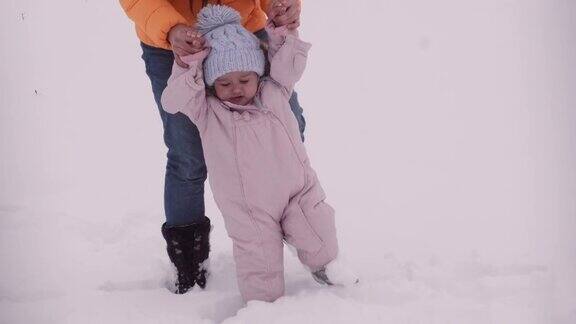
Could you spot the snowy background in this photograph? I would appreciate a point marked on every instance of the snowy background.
(443, 132)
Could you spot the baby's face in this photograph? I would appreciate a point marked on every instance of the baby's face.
(237, 87)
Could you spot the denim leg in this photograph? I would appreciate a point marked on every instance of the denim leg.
(294, 104)
(185, 168)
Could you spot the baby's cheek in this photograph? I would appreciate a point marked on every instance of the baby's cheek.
(220, 93)
(254, 87)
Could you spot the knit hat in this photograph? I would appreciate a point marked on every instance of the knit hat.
(233, 48)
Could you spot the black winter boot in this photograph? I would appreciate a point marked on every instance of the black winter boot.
(188, 247)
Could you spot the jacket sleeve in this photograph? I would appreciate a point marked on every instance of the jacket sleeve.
(265, 5)
(186, 91)
(154, 17)
(287, 55)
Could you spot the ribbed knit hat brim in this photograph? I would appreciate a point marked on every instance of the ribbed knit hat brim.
(220, 63)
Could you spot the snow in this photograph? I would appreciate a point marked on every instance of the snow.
(341, 272)
(443, 133)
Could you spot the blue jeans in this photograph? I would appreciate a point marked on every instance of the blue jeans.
(185, 168)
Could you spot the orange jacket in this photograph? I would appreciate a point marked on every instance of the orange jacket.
(155, 18)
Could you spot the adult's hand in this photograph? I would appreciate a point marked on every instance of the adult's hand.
(185, 40)
(285, 13)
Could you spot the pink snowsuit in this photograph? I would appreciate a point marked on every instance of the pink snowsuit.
(258, 169)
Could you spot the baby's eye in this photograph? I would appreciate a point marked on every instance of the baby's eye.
(244, 81)
(224, 84)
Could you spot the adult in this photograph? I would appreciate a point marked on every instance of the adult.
(166, 30)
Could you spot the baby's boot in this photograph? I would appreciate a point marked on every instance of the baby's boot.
(188, 247)
(336, 273)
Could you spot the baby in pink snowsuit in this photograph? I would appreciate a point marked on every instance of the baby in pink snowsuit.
(258, 168)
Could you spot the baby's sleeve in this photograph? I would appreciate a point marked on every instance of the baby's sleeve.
(287, 54)
(186, 91)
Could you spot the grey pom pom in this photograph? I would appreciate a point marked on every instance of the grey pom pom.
(213, 16)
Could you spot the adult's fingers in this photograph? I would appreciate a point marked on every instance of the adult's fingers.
(289, 17)
(195, 42)
(294, 9)
(275, 11)
(295, 24)
(183, 48)
(192, 33)
(284, 20)
(198, 43)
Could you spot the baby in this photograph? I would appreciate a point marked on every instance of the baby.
(258, 168)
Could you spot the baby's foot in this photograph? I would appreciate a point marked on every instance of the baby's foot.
(336, 273)
(321, 278)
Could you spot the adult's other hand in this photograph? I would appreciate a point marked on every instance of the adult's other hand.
(285, 13)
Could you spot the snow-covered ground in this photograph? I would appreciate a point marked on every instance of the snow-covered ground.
(443, 132)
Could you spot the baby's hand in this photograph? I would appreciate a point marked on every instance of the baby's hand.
(277, 33)
(196, 57)
(196, 40)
